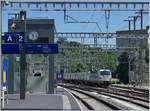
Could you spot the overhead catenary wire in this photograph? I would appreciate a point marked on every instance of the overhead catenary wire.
(91, 18)
(120, 25)
(69, 19)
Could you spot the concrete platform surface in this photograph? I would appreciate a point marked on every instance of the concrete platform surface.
(73, 102)
(61, 101)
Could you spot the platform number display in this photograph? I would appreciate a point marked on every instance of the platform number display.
(20, 38)
(14, 37)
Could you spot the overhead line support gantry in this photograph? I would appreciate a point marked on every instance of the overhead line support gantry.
(78, 5)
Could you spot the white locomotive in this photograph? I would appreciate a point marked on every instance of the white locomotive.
(101, 77)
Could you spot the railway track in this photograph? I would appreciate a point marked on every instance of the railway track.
(132, 99)
(135, 100)
(86, 104)
(137, 95)
(128, 94)
(146, 91)
(103, 103)
(131, 92)
(143, 92)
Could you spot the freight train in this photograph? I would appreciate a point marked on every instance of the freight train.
(101, 77)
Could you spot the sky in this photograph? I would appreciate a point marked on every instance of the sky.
(116, 21)
(116, 18)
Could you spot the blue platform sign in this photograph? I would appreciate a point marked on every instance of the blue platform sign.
(10, 49)
(14, 37)
(30, 48)
(41, 48)
(60, 76)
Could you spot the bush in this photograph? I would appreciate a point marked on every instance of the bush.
(115, 81)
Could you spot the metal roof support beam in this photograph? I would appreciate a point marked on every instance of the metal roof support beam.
(79, 1)
(100, 35)
(81, 5)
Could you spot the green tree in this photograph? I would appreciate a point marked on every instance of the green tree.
(79, 67)
(108, 60)
(146, 48)
(123, 68)
(72, 67)
(73, 52)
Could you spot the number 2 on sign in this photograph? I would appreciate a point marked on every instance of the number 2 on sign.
(20, 38)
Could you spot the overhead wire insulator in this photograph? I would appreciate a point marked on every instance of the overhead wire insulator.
(142, 6)
(102, 5)
(78, 5)
(22, 15)
(62, 5)
(28, 5)
(107, 17)
(110, 5)
(45, 5)
(126, 5)
(11, 4)
(70, 5)
(94, 5)
(19, 5)
(53, 5)
(134, 5)
(86, 5)
(118, 5)
(37, 5)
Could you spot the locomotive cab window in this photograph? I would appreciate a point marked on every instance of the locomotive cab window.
(105, 72)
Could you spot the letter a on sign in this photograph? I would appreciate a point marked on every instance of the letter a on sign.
(9, 39)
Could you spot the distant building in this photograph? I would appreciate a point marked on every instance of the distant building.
(131, 39)
(135, 42)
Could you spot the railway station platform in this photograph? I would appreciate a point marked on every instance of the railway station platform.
(61, 100)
